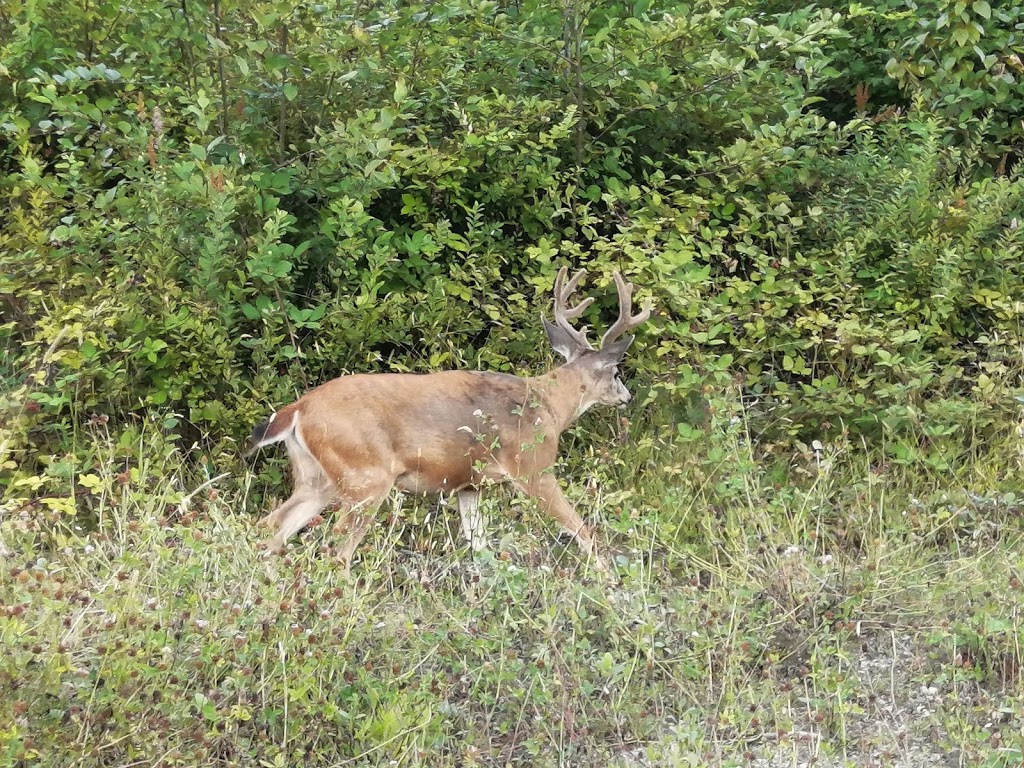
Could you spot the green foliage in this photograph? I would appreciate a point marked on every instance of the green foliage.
(962, 58)
(212, 208)
(755, 603)
(965, 60)
(870, 277)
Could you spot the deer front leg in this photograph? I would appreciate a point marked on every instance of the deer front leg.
(472, 519)
(546, 490)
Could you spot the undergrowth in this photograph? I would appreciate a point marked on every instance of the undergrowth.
(814, 516)
(748, 589)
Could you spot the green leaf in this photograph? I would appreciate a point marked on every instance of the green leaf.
(290, 91)
(250, 311)
(982, 8)
(90, 481)
(687, 432)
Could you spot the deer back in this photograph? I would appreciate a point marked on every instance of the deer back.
(434, 432)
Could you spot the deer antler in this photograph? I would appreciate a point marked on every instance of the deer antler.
(627, 321)
(563, 313)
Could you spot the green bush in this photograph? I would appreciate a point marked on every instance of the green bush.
(206, 221)
(870, 280)
(962, 58)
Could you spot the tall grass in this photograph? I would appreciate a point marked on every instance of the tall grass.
(765, 608)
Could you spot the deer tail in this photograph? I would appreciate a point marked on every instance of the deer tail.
(274, 430)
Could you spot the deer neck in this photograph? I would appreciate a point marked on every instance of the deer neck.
(565, 393)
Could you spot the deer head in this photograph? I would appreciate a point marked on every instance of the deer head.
(599, 368)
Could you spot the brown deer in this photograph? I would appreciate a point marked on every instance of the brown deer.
(354, 439)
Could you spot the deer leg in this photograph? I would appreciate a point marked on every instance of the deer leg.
(359, 504)
(356, 521)
(546, 490)
(294, 515)
(472, 519)
(310, 481)
(273, 519)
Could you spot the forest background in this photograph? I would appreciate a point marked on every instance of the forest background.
(813, 503)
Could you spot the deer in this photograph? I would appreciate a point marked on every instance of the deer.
(354, 439)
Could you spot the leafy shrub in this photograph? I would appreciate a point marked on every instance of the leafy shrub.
(963, 59)
(885, 285)
(202, 227)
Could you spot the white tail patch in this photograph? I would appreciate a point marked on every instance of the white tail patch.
(297, 442)
(307, 468)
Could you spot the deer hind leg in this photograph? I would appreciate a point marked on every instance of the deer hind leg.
(546, 490)
(273, 520)
(356, 520)
(472, 519)
(312, 493)
(360, 493)
(295, 514)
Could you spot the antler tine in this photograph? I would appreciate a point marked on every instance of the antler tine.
(627, 321)
(564, 313)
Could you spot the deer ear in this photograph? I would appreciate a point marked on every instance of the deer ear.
(561, 341)
(616, 351)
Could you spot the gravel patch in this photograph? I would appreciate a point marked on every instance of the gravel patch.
(892, 719)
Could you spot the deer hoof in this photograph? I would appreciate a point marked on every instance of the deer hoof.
(272, 547)
(599, 564)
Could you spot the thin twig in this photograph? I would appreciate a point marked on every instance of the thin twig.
(187, 47)
(284, 673)
(220, 70)
(282, 118)
(291, 335)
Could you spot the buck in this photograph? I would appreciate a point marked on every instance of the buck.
(355, 438)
